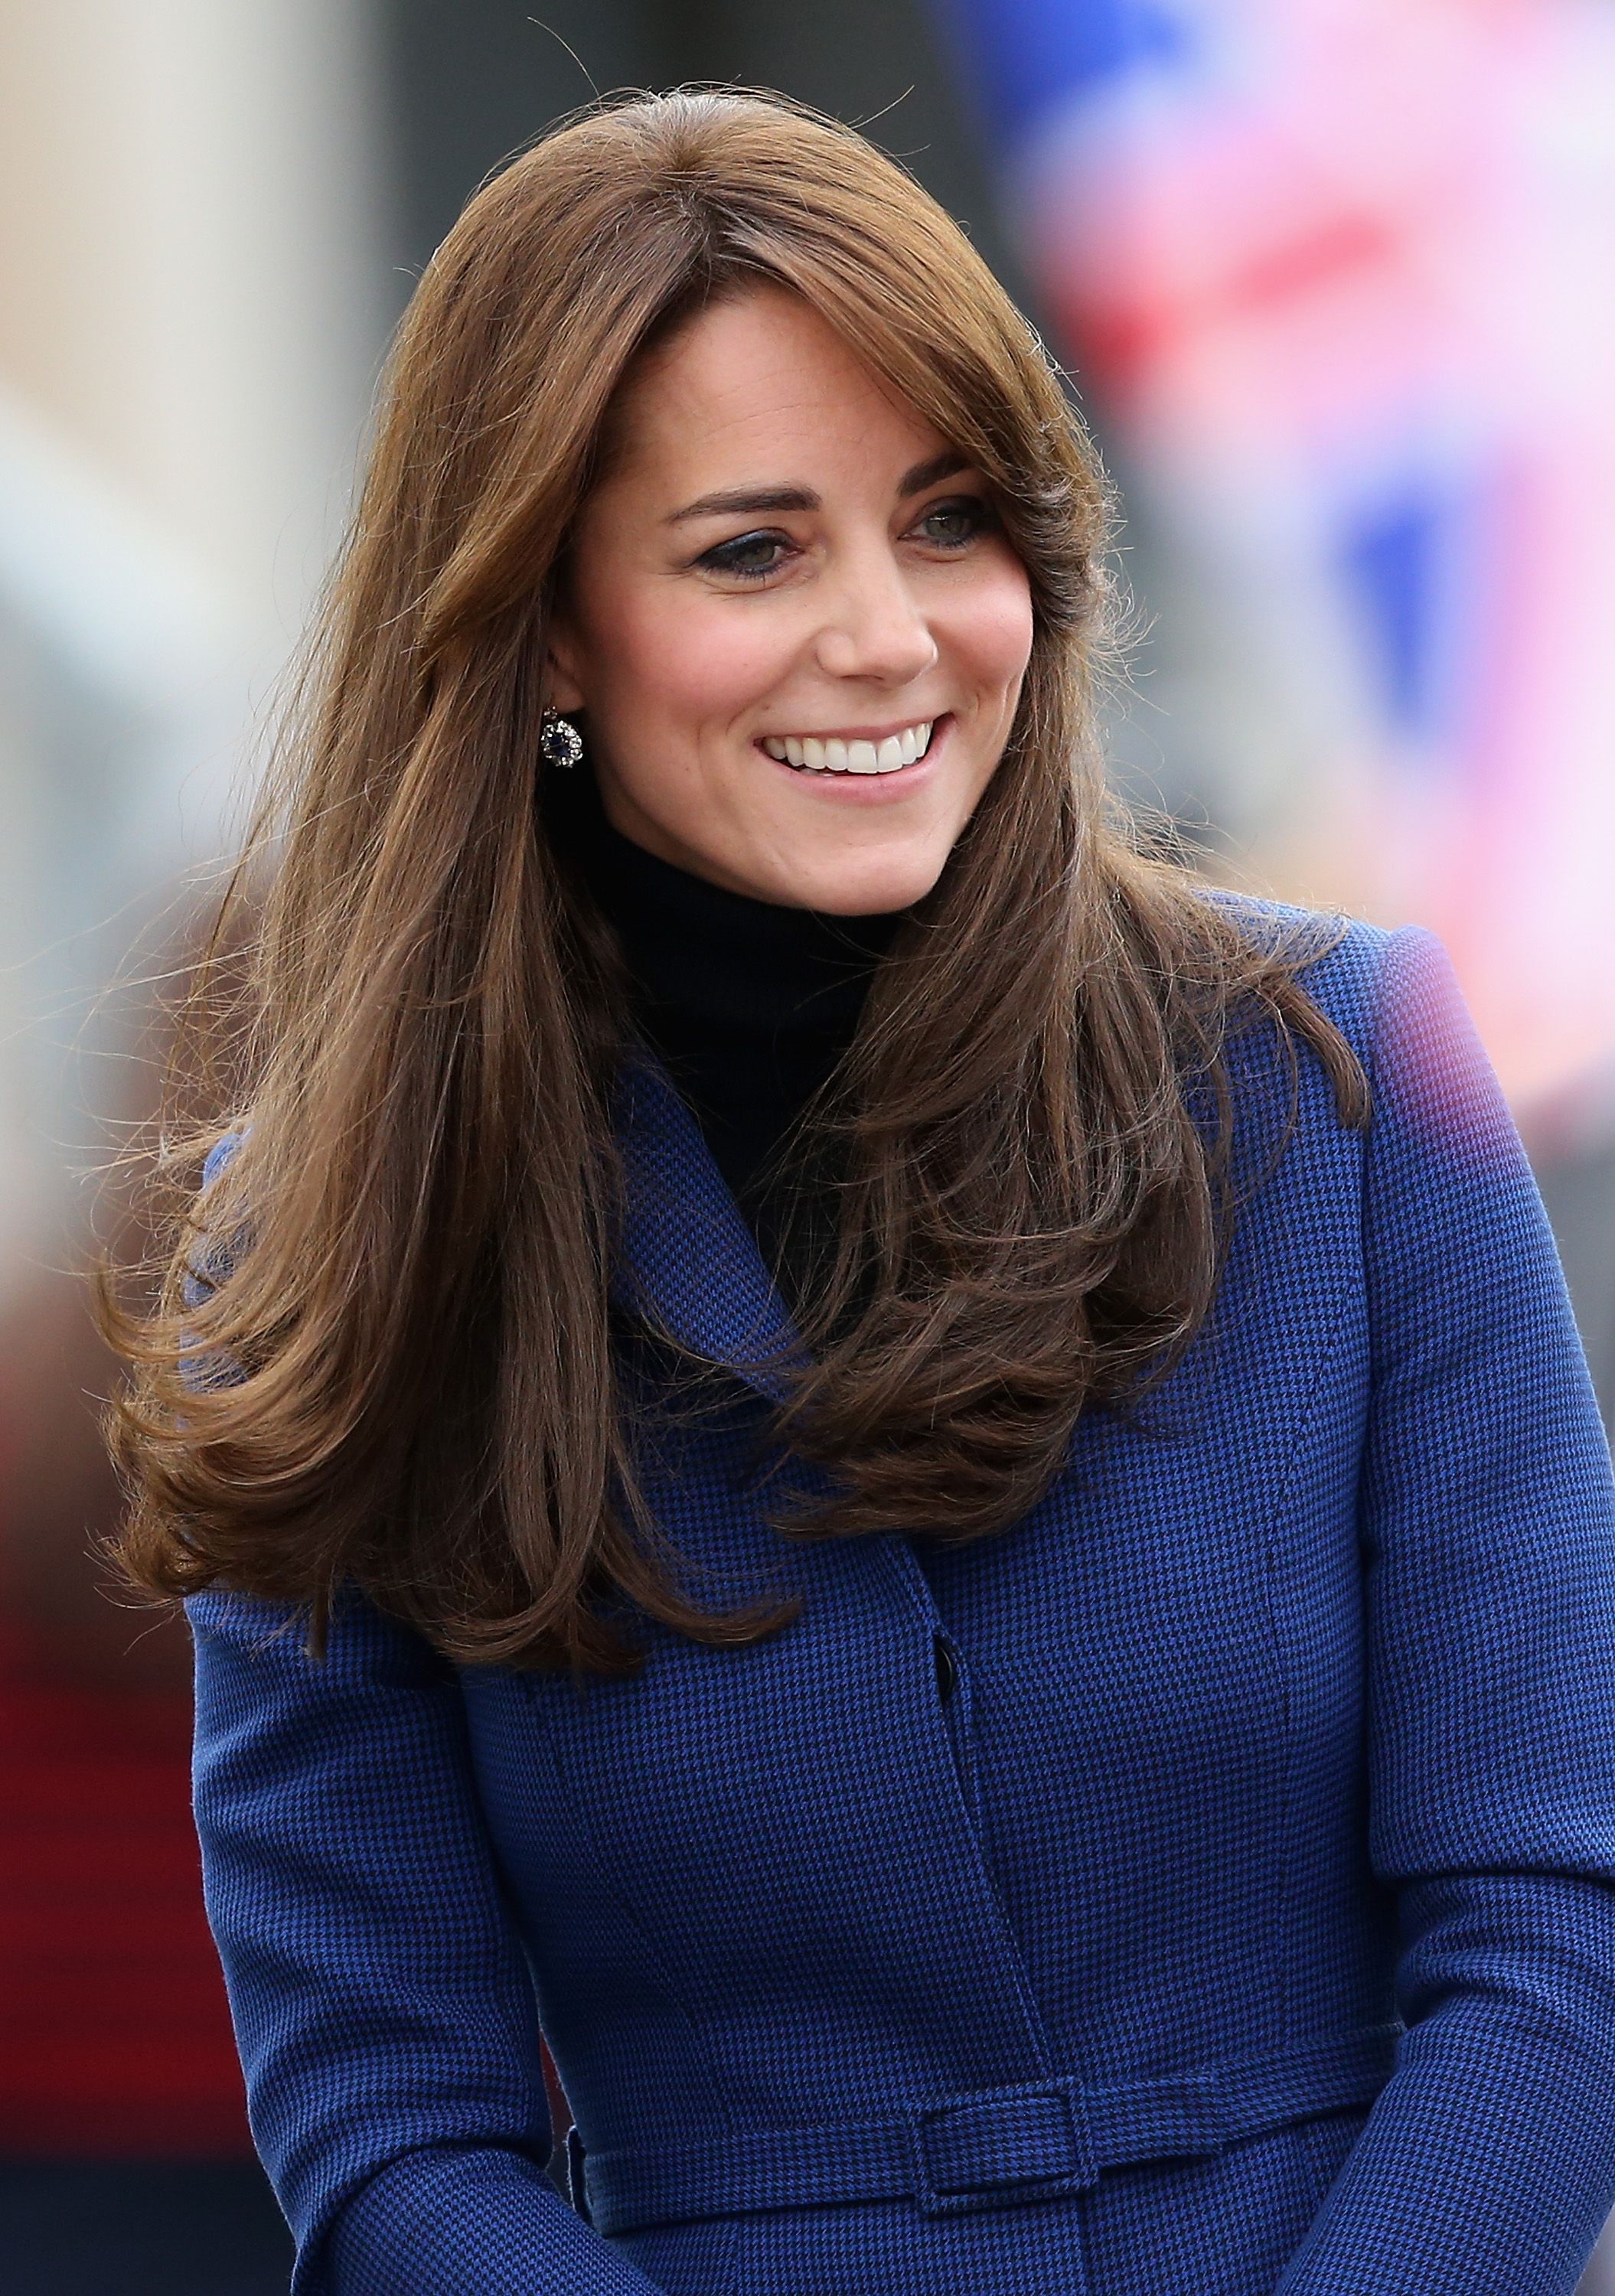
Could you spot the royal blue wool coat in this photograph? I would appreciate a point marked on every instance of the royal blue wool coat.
(1205, 1887)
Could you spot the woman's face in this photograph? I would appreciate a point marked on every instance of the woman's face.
(792, 617)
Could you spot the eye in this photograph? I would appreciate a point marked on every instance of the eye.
(748, 557)
(953, 524)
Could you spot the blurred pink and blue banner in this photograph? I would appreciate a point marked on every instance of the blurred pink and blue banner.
(1338, 277)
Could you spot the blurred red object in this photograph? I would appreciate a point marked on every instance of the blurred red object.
(115, 2038)
(114, 2035)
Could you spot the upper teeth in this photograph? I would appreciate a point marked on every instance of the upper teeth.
(836, 757)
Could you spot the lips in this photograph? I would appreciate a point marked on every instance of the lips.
(835, 753)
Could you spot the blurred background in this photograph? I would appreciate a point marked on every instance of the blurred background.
(1333, 282)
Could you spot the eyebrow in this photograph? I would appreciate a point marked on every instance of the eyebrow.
(737, 500)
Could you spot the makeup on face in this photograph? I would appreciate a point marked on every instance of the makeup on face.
(794, 621)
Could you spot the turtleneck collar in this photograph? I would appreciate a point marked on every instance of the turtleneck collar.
(748, 1004)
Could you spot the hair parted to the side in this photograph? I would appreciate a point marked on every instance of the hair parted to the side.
(424, 1400)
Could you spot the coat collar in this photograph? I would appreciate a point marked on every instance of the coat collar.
(688, 1253)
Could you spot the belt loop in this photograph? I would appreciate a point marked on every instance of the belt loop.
(996, 2147)
(577, 2186)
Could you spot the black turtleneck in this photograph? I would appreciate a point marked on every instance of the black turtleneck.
(749, 1005)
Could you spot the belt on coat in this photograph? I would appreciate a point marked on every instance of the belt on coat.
(988, 2148)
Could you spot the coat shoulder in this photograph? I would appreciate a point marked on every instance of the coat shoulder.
(1340, 961)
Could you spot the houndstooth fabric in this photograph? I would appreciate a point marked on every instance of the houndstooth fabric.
(1207, 1888)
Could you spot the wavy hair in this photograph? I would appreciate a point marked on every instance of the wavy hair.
(1032, 1126)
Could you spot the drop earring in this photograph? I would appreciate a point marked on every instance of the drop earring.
(560, 744)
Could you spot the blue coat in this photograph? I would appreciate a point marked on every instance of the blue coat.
(1205, 1887)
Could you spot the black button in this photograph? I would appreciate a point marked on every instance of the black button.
(947, 1670)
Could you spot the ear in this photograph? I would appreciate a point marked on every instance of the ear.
(561, 665)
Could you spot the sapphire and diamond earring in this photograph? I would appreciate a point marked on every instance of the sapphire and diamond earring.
(560, 744)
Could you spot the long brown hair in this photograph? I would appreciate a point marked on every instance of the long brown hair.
(421, 1219)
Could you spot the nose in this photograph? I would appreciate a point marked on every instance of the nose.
(873, 629)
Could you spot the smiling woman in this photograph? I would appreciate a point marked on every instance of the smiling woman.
(871, 639)
(1050, 1726)
(667, 323)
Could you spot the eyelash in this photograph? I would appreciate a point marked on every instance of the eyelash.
(723, 558)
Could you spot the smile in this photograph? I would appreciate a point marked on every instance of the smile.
(835, 753)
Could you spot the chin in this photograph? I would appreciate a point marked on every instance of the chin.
(874, 889)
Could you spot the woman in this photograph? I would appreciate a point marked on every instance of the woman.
(924, 1489)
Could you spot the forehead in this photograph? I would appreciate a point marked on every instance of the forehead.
(760, 387)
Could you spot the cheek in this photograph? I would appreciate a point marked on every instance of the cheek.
(1007, 627)
(989, 631)
(683, 661)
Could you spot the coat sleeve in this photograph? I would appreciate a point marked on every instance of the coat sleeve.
(1488, 1528)
(382, 2005)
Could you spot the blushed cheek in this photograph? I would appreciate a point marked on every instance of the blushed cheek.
(690, 674)
(994, 636)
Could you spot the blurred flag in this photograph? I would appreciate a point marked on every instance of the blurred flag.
(1340, 276)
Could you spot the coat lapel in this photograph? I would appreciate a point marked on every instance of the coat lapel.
(688, 1255)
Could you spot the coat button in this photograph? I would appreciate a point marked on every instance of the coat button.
(947, 1670)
